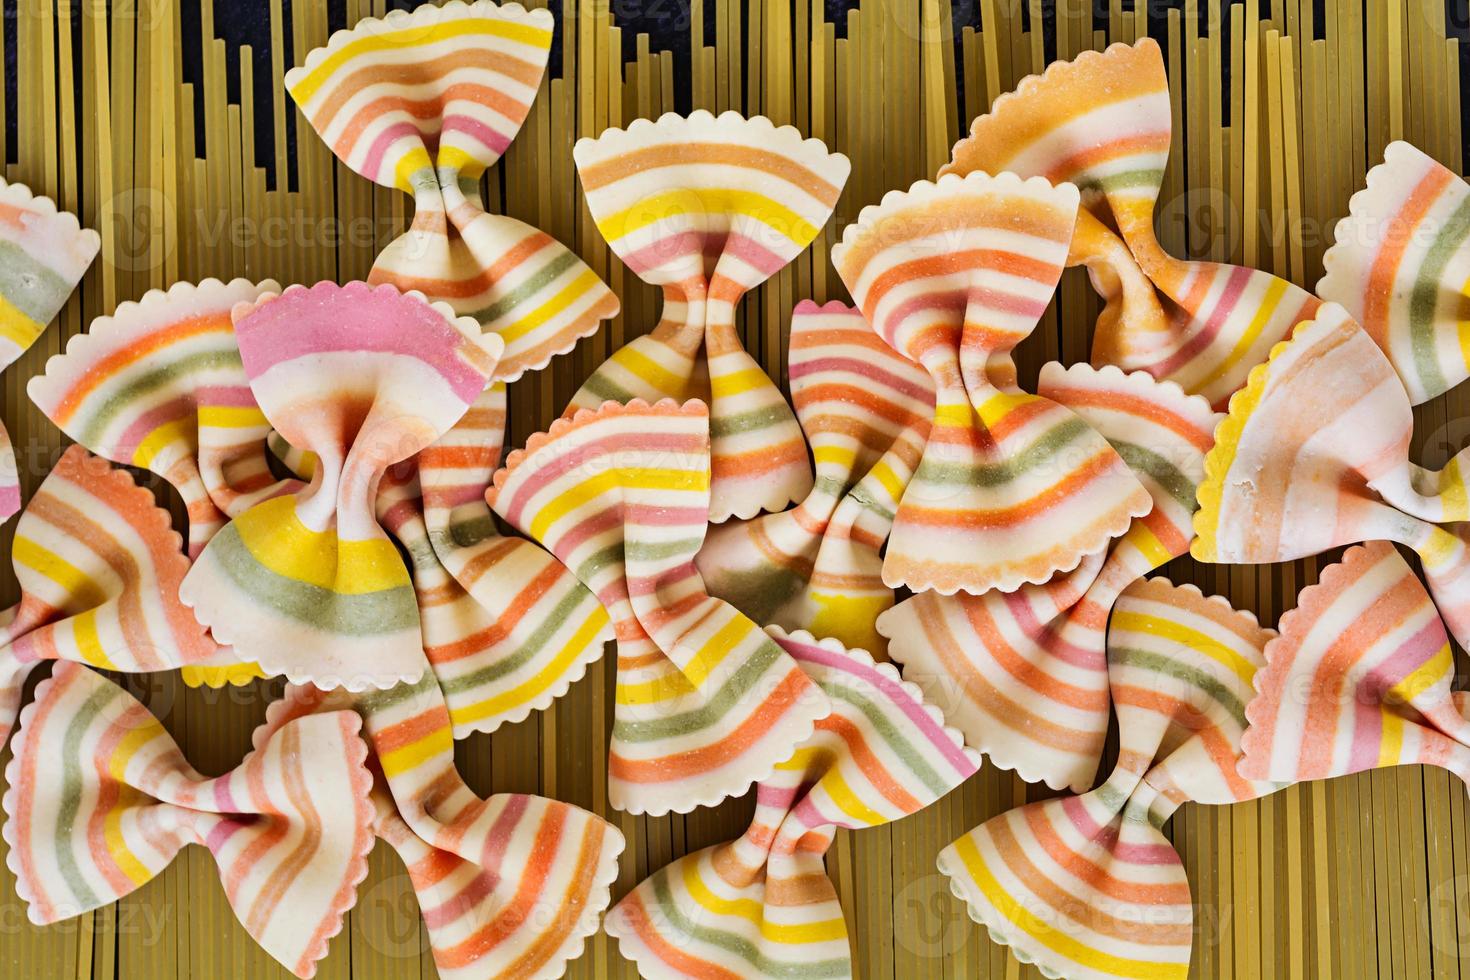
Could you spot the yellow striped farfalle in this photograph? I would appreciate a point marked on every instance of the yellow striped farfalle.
(1103, 122)
(1088, 887)
(425, 101)
(865, 410)
(1012, 486)
(707, 208)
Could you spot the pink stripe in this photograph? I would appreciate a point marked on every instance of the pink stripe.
(492, 138)
(1107, 837)
(1208, 331)
(389, 136)
(863, 369)
(1367, 742)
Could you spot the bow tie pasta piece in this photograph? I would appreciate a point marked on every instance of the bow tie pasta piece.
(99, 567)
(1359, 679)
(159, 385)
(1024, 674)
(1399, 266)
(425, 102)
(706, 703)
(1103, 122)
(508, 886)
(1314, 455)
(507, 628)
(1088, 886)
(856, 399)
(101, 800)
(708, 208)
(763, 906)
(44, 253)
(308, 584)
(1012, 487)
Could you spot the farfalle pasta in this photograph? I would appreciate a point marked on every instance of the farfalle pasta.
(865, 410)
(509, 886)
(708, 208)
(1024, 674)
(99, 567)
(1012, 487)
(1360, 678)
(425, 101)
(101, 800)
(1400, 263)
(1103, 122)
(706, 702)
(507, 628)
(763, 906)
(1314, 454)
(308, 584)
(159, 385)
(1088, 886)
(44, 253)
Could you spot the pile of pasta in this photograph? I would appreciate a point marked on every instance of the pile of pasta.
(353, 528)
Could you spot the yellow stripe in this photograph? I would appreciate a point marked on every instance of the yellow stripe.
(401, 760)
(713, 201)
(752, 911)
(713, 651)
(1391, 743)
(1059, 942)
(569, 294)
(993, 410)
(1452, 492)
(168, 434)
(840, 456)
(275, 537)
(650, 372)
(117, 765)
(666, 688)
(959, 414)
(409, 37)
(16, 327)
(1269, 302)
(1438, 548)
(231, 417)
(1424, 677)
(231, 675)
(738, 382)
(1196, 641)
(1462, 329)
(413, 161)
(848, 801)
(89, 644)
(576, 497)
(74, 583)
(889, 480)
(1148, 544)
(528, 690)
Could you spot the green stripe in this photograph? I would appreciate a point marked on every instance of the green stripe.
(1127, 180)
(507, 303)
(762, 964)
(71, 797)
(892, 737)
(598, 560)
(529, 649)
(464, 533)
(1424, 299)
(753, 420)
(605, 388)
(374, 700)
(1040, 452)
(127, 398)
(36, 289)
(386, 611)
(1170, 667)
(713, 710)
(1178, 486)
(687, 547)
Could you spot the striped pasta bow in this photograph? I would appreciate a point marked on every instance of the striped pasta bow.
(45, 253)
(707, 208)
(1360, 678)
(1399, 265)
(99, 567)
(1103, 122)
(1012, 487)
(308, 584)
(1024, 674)
(159, 385)
(706, 702)
(1314, 454)
(763, 906)
(865, 410)
(425, 102)
(1087, 887)
(509, 886)
(101, 800)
